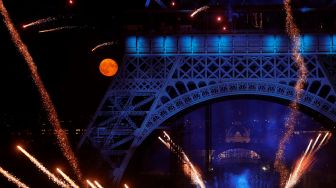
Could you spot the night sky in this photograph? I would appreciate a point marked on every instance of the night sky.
(66, 65)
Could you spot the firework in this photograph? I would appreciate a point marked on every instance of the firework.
(306, 160)
(102, 45)
(126, 186)
(67, 178)
(91, 184)
(39, 22)
(98, 184)
(199, 10)
(12, 178)
(294, 35)
(59, 29)
(188, 167)
(43, 169)
(46, 100)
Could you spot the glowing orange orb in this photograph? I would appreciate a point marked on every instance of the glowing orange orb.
(108, 67)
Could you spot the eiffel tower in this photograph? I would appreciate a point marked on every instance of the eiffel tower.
(162, 75)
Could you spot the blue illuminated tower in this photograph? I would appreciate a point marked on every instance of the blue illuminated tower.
(161, 76)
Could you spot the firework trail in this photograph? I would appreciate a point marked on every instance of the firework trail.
(126, 186)
(187, 166)
(59, 29)
(12, 178)
(98, 184)
(43, 169)
(102, 45)
(67, 178)
(306, 160)
(199, 10)
(294, 35)
(91, 184)
(40, 21)
(46, 100)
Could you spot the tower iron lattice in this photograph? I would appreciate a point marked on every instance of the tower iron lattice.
(162, 75)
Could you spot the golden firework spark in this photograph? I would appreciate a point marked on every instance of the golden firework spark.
(12, 178)
(91, 184)
(59, 28)
(43, 169)
(102, 45)
(294, 35)
(39, 22)
(198, 11)
(46, 100)
(67, 178)
(306, 160)
(188, 167)
(98, 184)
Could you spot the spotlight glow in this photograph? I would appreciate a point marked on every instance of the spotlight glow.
(12, 178)
(43, 169)
(46, 100)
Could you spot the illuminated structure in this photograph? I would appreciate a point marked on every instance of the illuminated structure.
(163, 75)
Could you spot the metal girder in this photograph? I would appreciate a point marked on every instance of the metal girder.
(164, 75)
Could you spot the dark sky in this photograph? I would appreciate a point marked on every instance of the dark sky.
(65, 62)
(64, 59)
(68, 68)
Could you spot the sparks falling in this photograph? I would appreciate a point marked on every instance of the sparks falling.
(67, 178)
(102, 45)
(188, 167)
(39, 22)
(59, 29)
(199, 10)
(39, 165)
(98, 184)
(306, 160)
(12, 178)
(294, 35)
(91, 184)
(46, 100)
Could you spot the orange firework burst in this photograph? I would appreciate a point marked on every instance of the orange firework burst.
(46, 100)
(294, 35)
(12, 178)
(306, 160)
